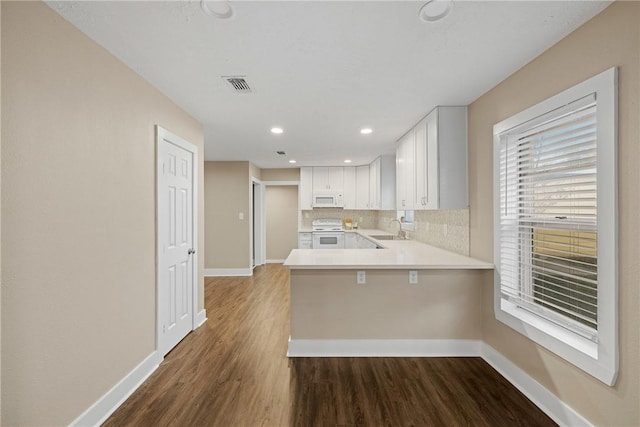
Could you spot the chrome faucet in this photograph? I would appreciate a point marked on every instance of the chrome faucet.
(401, 233)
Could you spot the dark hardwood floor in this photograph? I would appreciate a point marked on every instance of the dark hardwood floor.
(233, 371)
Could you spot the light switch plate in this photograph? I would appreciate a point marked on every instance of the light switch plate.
(241, 216)
(413, 277)
(361, 277)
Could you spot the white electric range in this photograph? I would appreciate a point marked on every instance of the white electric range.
(327, 233)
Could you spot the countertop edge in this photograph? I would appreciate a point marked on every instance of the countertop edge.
(450, 260)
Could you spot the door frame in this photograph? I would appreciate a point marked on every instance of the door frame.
(163, 136)
(257, 233)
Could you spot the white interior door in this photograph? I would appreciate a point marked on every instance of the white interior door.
(176, 253)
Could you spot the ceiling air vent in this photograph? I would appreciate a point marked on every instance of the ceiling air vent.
(281, 153)
(238, 83)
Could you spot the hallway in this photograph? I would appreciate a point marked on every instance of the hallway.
(233, 371)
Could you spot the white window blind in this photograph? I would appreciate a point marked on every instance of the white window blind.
(548, 217)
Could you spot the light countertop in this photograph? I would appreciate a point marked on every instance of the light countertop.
(397, 254)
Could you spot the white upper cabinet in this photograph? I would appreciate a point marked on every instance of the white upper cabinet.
(305, 190)
(382, 183)
(370, 187)
(328, 178)
(432, 162)
(362, 187)
(405, 172)
(374, 179)
(349, 192)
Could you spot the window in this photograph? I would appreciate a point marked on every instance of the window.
(555, 224)
(406, 218)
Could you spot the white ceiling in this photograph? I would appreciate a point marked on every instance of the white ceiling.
(322, 69)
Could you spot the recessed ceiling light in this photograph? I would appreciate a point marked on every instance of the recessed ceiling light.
(347, 161)
(366, 131)
(435, 10)
(292, 161)
(276, 130)
(218, 8)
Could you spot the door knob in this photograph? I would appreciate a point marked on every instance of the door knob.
(191, 251)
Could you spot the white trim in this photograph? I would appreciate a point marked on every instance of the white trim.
(221, 272)
(260, 248)
(383, 348)
(548, 402)
(97, 413)
(201, 317)
(275, 261)
(282, 183)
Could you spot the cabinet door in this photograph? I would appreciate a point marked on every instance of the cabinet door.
(336, 178)
(400, 174)
(405, 172)
(362, 187)
(305, 241)
(432, 183)
(350, 241)
(320, 178)
(374, 184)
(349, 192)
(306, 188)
(421, 165)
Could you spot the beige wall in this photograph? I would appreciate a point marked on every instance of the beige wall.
(227, 193)
(291, 174)
(78, 209)
(281, 211)
(610, 39)
(328, 304)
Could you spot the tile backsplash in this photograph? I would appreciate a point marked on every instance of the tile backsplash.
(365, 219)
(446, 229)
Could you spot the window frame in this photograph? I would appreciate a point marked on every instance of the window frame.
(599, 359)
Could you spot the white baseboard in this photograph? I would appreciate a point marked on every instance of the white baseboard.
(201, 317)
(221, 272)
(383, 348)
(275, 261)
(97, 413)
(548, 402)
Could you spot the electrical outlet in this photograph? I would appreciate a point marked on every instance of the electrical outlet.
(241, 216)
(361, 277)
(413, 277)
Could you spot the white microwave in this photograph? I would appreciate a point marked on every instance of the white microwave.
(327, 200)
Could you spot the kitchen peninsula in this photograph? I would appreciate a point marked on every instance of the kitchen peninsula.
(406, 299)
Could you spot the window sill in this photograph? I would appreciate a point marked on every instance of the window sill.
(589, 356)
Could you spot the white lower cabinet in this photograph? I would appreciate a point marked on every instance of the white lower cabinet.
(364, 243)
(351, 240)
(305, 240)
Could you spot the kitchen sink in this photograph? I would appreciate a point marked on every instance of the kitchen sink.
(386, 237)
